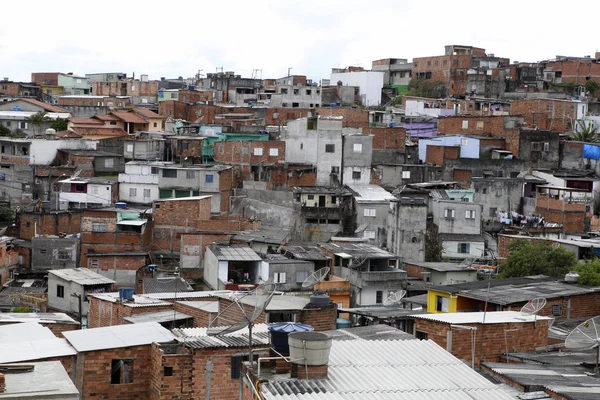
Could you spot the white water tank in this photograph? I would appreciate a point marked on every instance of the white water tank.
(309, 348)
(572, 277)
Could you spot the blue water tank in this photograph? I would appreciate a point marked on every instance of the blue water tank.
(279, 334)
(342, 323)
(121, 205)
(16, 108)
(126, 293)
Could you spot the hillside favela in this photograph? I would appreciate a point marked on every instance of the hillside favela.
(420, 227)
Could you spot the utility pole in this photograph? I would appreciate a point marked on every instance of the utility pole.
(289, 70)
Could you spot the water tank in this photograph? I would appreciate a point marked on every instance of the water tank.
(342, 323)
(279, 334)
(320, 299)
(16, 108)
(310, 348)
(126, 293)
(50, 134)
(572, 277)
(121, 205)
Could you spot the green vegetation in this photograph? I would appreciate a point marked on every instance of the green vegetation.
(59, 124)
(426, 88)
(4, 131)
(592, 86)
(22, 310)
(37, 120)
(528, 258)
(589, 273)
(587, 133)
(433, 249)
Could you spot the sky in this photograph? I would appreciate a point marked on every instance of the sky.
(178, 38)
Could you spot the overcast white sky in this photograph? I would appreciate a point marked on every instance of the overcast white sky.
(177, 38)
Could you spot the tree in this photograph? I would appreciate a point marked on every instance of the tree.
(4, 131)
(426, 88)
(586, 132)
(589, 273)
(433, 248)
(592, 86)
(528, 258)
(37, 120)
(59, 124)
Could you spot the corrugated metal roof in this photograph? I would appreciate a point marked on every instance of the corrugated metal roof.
(82, 276)
(371, 194)
(235, 253)
(188, 295)
(111, 337)
(29, 350)
(491, 317)
(197, 337)
(159, 316)
(137, 301)
(208, 306)
(411, 369)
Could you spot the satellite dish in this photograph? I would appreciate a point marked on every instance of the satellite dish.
(395, 298)
(357, 261)
(586, 337)
(316, 277)
(250, 304)
(533, 306)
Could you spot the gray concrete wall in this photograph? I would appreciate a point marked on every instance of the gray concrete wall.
(498, 195)
(54, 253)
(407, 225)
(539, 158)
(291, 270)
(378, 223)
(458, 224)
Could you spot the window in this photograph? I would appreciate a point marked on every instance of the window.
(64, 255)
(284, 91)
(296, 91)
(441, 303)
(405, 174)
(465, 124)
(221, 148)
(190, 174)
(369, 234)
(358, 147)
(330, 148)
(470, 214)
(301, 276)
(295, 105)
(311, 197)
(536, 146)
(121, 372)
(258, 151)
(273, 152)
(93, 263)
(335, 170)
(208, 178)
(284, 104)
(479, 124)
(464, 248)
(155, 124)
(60, 291)
(484, 190)
(98, 227)
(421, 335)
(169, 173)
(557, 310)
(369, 212)
(153, 170)
(147, 193)
(279, 277)
(130, 148)
(356, 175)
(168, 371)
(546, 146)
(445, 62)
(109, 163)
(308, 92)
(23, 125)
(379, 297)
(244, 149)
(464, 142)
(132, 192)
(449, 213)
(333, 199)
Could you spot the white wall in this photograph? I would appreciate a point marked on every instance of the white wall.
(369, 82)
(211, 269)
(450, 249)
(43, 152)
(124, 192)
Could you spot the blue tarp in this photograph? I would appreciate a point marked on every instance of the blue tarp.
(591, 151)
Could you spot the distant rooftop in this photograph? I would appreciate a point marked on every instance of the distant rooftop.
(82, 276)
(490, 317)
(234, 253)
(371, 194)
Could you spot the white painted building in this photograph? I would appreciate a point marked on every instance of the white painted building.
(66, 285)
(81, 192)
(139, 182)
(370, 84)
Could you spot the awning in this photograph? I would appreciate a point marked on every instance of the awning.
(132, 222)
(343, 255)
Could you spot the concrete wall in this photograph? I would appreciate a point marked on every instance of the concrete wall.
(377, 224)
(295, 272)
(210, 266)
(498, 194)
(457, 224)
(58, 253)
(407, 224)
(469, 147)
(357, 159)
(369, 82)
(450, 249)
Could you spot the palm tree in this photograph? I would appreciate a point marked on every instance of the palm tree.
(37, 120)
(586, 132)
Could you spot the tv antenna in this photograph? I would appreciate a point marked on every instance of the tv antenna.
(586, 337)
(532, 307)
(256, 302)
(316, 277)
(394, 299)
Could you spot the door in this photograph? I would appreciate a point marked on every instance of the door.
(321, 201)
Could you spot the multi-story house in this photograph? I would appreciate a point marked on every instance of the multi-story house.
(139, 182)
(87, 192)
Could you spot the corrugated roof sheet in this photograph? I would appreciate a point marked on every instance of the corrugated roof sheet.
(111, 337)
(234, 253)
(82, 276)
(411, 369)
(188, 295)
(491, 317)
(197, 337)
(159, 316)
(371, 194)
(137, 301)
(169, 284)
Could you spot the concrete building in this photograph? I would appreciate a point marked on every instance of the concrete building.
(68, 83)
(370, 84)
(140, 149)
(68, 289)
(357, 156)
(82, 192)
(293, 91)
(139, 182)
(406, 227)
(398, 71)
(227, 267)
(287, 274)
(440, 273)
(371, 204)
(53, 252)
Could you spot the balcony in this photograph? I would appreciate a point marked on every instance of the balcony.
(137, 178)
(378, 276)
(330, 212)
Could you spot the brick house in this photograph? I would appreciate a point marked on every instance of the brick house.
(255, 161)
(550, 114)
(475, 338)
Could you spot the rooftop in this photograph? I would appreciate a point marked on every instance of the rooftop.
(370, 332)
(370, 369)
(439, 266)
(357, 250)
(82, 276)
(47, 380)
(490, 317)
(41, 318)
(371, 194)
(311, 253)
(197, 337)
(185, 198)
(159, 316)
(166, 285)
(137, 301)
(234, 253)
(188, 295)
(111, 337)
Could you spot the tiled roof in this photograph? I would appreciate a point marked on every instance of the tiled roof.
(130, 117)
(45, 106)
(87, 121)
(388, 369)
(68, 134)
(114, 132)
(147, 113)
(107, 117)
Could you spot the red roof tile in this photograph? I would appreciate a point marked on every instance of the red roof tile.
(67, 135)
(116, 132)
(45, 106)
(147, 113)
(130, 117)
(86, 121)
(107, 117)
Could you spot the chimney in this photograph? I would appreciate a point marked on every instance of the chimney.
(309, 354)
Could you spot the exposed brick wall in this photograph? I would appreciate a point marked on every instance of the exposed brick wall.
(490, 341)
(352, 117)
(202, 319)
(178, 386)
(320, 318)
(94, 374)
(414, 271)
(49, 224)
(547, 114)
(462, 175)
(105, 313)
(387, 138)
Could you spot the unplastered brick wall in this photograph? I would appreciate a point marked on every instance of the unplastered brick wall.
(491, 339)
(170, 374)
(93, 374)
(351, 117)
(49, 224)
(202, 318)
(387, 138)
(105, 313)
(414, 271)
(321, 318)
(231, 312)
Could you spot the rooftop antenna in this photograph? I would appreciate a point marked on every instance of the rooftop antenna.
(532, 307)
(316, 277)
(394, 299)
(586, 337)
(257, 300)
